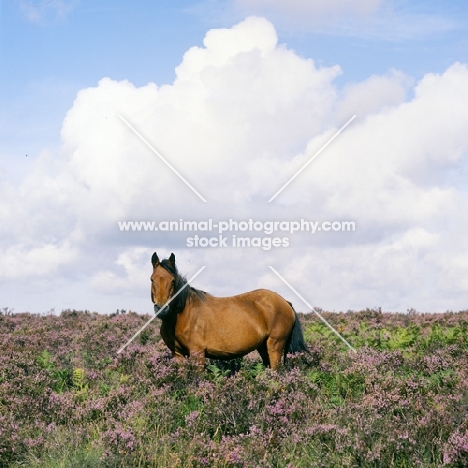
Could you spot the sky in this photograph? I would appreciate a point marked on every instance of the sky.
(141, 111)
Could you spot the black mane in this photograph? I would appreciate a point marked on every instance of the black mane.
(178, 304)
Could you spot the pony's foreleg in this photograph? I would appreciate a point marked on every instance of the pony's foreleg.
(198, 358)
(179, 357)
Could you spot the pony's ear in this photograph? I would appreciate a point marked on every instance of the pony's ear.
(155, 259)
(172, 260)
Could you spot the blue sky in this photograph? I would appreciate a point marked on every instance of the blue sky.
(52, 50)
(46, 61)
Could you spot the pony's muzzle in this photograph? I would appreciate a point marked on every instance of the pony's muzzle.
(160, 311)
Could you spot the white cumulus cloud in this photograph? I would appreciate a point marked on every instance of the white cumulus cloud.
(242, 116)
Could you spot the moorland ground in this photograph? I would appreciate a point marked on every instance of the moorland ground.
(68, 400)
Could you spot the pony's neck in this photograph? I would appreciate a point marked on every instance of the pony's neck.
(177, 305)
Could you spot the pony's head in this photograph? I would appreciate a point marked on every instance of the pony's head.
(165, 282)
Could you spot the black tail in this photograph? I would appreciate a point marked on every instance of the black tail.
(295, 343)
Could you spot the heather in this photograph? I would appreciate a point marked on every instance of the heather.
(68, 400)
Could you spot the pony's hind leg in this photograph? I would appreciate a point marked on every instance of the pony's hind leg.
(275, 348)
(262, 350)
